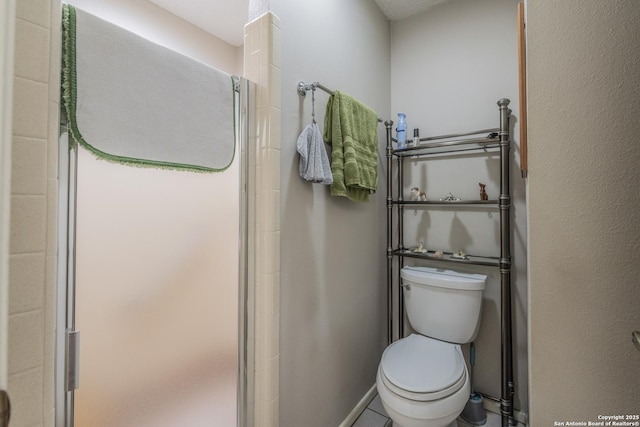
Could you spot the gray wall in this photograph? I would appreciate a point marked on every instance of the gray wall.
(332, 249)
(584, 105)
(449, 67)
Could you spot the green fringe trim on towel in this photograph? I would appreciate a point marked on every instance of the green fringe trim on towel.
(69, 97)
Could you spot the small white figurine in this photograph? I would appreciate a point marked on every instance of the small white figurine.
(459, 254)
(450, 198)
(417, 195)
(438, 254)
(420, 249)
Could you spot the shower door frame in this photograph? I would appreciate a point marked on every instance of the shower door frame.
(67, 338)
(7, 43)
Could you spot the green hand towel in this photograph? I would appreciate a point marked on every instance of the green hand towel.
(352, 130)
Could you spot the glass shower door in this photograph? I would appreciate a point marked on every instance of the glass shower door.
(156, 298)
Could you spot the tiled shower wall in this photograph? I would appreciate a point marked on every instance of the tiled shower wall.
(262, 66)
(34, 183)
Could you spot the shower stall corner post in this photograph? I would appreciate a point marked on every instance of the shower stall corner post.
(246, 356)
(66, 374)
(508, 386)
(7, 47)
(388, 125)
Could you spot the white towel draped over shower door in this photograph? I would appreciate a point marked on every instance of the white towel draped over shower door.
(131, 101)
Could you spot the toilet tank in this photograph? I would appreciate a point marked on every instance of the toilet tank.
(443, 304)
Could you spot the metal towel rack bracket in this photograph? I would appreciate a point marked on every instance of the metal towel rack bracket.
(303, 88)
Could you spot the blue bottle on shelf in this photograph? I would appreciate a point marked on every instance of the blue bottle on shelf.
(402, 131)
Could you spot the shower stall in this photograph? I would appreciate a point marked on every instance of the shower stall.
(153, 298)
(154, 322)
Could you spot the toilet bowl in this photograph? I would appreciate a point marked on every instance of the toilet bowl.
(423, 382)
(422, 379)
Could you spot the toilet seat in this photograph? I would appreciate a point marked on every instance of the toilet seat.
(423, 369)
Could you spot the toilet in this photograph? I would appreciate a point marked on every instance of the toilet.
(422, 379)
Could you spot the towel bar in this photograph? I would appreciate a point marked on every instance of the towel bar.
(304, 87)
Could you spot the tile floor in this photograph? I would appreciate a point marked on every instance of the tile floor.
(375, 416)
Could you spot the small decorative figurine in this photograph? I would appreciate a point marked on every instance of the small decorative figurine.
(438, 254)
(483, 193)
(420, 249)
(459, 254)
(416, 195)
(450, 198)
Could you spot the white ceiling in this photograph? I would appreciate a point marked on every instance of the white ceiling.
(225, 19)
(396, 10)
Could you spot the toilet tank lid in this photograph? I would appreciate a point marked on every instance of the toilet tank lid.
(443, 278)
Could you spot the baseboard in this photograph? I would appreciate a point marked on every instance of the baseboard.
(492, 404)
(359, 408)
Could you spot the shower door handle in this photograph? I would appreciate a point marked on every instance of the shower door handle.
(635, 337)
(73, 356)
(5, 408)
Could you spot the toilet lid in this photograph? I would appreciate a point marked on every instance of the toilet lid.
(420, 364)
